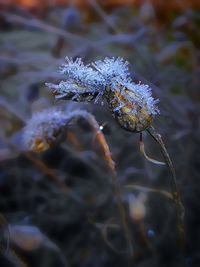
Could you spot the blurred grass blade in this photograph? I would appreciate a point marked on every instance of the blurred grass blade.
(146, 189)
(104, 231)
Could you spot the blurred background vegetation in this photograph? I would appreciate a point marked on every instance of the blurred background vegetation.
(59, 205)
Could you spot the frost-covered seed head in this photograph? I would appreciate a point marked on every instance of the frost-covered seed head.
(109, 78)
(143, 97)
(114, 70)
(84, 76)
(42, 128)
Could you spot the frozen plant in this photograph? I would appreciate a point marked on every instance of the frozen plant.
(42, 129)
(131, 104)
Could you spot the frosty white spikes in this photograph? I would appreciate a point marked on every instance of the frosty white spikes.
(132, 104)
(113, 70)
(83, 75)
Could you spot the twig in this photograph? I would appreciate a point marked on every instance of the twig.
(142, 151)
(122, 212)
(107, 156)
(175, 192)
(38, 24)
(103, 15)
(14, 258)
(45, 169)
(116, 187)
(149, 190)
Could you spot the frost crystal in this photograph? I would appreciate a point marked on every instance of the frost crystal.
(87, 82)
(85, 75)
(143, 97)
(113, 70)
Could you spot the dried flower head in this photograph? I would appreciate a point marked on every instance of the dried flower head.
(42, 129)
(131, 104)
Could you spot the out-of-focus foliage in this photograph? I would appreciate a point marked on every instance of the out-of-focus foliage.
(86, 3)
(58, 207)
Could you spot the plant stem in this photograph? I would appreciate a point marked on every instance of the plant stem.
(175, 192)
(116, 187)
(117, 192)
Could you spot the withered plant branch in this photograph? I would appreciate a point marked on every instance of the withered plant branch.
(75, 38)
(142, 151)
(149, 190)
(116, 187)
(14, 258)
(45, 169)
(39, 163)
(175, 192)
(36, 23)
(117, 192)
(103, 15)
(107, 156)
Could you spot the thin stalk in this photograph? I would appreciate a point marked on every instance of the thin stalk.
(117, 192)
(142, 151)
(175, 192)
(116, 187)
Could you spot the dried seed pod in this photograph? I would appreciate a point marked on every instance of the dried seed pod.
(43, 128)
(129, 115)
(131, 104)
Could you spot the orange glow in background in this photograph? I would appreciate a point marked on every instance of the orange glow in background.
(175, 4)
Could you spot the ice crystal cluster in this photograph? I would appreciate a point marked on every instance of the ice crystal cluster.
(131, 104)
